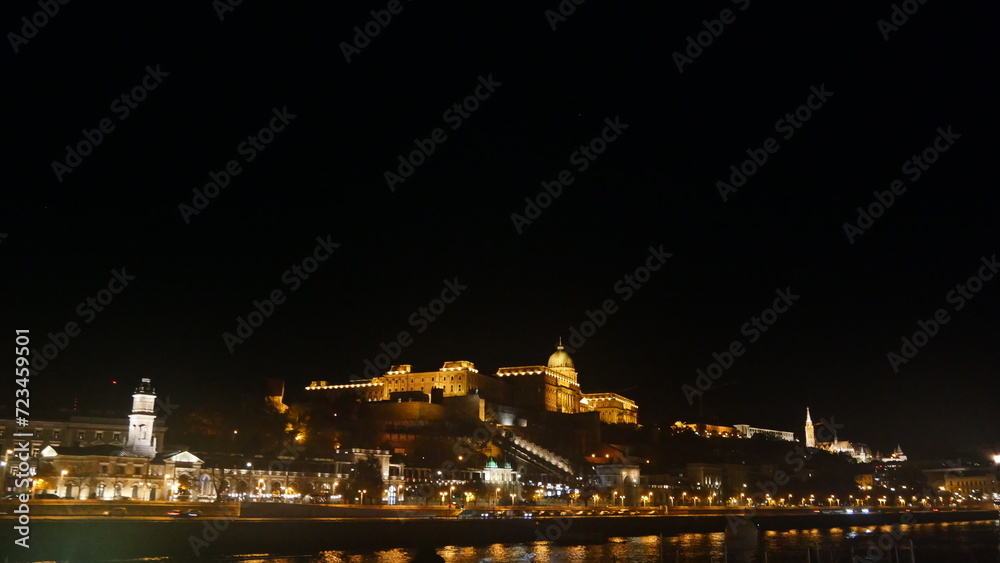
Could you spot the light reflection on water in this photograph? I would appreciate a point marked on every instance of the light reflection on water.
(973, 542)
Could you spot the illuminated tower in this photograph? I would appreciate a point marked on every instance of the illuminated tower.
(810, 431)
(140, 423)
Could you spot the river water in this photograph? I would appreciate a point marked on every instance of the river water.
(965, 542)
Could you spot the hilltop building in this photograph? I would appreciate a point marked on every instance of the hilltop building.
(857, 451)
(552, 388)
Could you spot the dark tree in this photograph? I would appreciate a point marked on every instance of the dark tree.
(366, 476)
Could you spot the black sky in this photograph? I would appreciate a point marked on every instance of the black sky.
(654, 186)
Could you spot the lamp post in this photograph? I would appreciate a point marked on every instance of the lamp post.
(62, 477)
(442, 493)
(363, 491)
(496, 501)
(512, 495)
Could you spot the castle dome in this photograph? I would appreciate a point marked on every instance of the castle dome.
(560, 359)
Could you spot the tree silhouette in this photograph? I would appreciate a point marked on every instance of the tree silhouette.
(366, 476)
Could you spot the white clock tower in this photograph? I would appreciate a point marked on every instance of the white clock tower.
(140, 422)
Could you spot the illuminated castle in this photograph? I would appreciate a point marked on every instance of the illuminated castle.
(552, 387)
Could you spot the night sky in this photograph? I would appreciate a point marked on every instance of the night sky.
(880, 96)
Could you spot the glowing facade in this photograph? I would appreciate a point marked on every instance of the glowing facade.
(140, 437)
(454, 379)
(552, 387)
(860, 452)
(810, 431)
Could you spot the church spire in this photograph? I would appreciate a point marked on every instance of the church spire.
(810, 431)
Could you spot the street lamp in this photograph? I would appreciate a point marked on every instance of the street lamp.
(512, 495)
(62, 477)
(442, 493)
(363, 491)
(497, 500)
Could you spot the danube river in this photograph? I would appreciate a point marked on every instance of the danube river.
(977, 542)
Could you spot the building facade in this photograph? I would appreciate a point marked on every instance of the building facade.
(552, 387)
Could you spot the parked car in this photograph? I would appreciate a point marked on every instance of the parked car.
(193, 513)
(116, 511)
(47, 496)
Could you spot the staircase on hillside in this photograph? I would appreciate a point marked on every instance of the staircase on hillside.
(529, 452)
